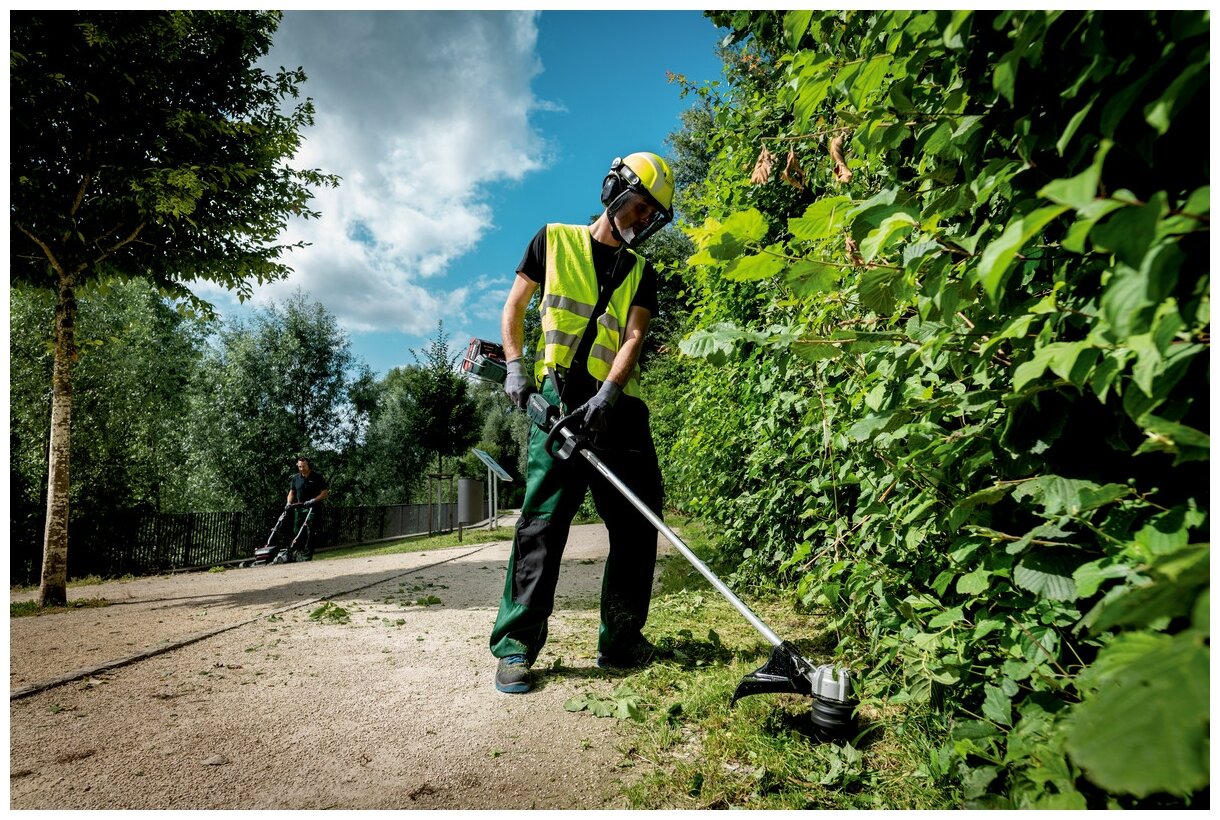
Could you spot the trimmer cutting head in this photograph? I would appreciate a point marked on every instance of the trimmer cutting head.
(786, 671)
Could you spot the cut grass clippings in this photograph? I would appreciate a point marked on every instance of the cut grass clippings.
(331, 613)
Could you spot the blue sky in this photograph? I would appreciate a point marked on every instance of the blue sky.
(458, 134)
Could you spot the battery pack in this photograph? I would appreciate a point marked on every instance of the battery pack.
(485, 360)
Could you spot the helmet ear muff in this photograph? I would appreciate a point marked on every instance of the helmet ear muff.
(613, 184)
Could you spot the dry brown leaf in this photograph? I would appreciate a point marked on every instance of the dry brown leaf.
(842, 172)
(762, 168)
(836, 149)
(792, 174)
(853, 252)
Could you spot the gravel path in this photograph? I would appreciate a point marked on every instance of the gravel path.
(259, 706)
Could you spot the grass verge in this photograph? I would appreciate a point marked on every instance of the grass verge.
(87, 581)
(762, 753)
(20, 609)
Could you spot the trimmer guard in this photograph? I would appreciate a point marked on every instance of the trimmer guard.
(779, 675)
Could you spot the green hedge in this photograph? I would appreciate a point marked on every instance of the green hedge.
(948, 374)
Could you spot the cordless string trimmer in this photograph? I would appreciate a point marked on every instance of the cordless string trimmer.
(786, 670)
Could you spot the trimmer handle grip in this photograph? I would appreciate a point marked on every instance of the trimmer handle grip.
(541, 412)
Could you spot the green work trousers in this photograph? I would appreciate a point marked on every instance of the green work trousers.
(554, 491)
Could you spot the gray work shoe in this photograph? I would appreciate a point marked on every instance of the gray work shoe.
(513, 675)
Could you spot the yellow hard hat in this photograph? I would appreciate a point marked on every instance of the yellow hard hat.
(653, 173)
(641, 174)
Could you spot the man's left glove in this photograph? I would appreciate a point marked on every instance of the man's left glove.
(595, 413)
(309, 503)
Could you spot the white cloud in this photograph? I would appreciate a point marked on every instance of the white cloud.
(418, 112)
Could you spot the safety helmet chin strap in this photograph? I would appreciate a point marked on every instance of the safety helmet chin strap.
(611, 209)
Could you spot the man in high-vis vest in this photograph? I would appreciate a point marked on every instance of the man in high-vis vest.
(598, 296)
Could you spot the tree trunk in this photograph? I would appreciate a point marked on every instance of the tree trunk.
(53, 590)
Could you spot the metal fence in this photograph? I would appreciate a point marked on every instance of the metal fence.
(146, 543)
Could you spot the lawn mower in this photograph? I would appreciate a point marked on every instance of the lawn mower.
(269, 554)
(786, 670)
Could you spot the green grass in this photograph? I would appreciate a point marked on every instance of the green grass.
(22, 609)
(435, 542)
(87, 581)
(760, 753)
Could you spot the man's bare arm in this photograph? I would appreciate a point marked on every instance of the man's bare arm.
(512, 318)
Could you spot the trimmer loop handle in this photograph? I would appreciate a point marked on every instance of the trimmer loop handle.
(570, 442)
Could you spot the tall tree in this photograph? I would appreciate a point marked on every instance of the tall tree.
(391, 461)
(444, 419)
(283, 383)
(144, 144)
(131, 392)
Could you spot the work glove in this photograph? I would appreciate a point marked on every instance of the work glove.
(595, 413)
(309, 503)
(517, 385)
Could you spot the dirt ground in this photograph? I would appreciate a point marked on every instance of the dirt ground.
(256, 705)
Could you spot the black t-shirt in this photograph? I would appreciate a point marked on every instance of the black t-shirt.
(304, 488)
(612, 266)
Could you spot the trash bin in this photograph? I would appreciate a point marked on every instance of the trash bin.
(470, 501)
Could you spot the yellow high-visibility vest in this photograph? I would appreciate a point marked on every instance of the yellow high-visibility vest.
(569, 300)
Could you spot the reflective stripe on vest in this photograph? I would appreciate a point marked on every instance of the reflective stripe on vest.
(568, 303)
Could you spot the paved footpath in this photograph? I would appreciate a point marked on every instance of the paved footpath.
(220, 691)
(147, 615)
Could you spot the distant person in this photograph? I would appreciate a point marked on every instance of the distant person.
(598, 297)
(308, 489)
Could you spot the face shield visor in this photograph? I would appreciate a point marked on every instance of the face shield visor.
(635, 214)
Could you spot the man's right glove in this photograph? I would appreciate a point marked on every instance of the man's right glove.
(595, 413)
(517, 385)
